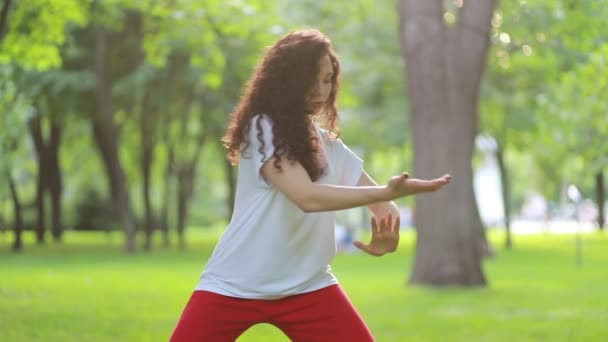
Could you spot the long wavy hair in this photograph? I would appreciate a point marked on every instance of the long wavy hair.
(279, 88)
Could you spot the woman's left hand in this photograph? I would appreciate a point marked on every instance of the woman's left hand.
(385, 236)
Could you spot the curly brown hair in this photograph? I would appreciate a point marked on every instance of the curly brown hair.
(279, 88)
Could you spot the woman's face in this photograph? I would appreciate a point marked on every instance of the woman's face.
(322, 86)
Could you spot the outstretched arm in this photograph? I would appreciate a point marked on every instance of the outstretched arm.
(294, 182)
(378, 209)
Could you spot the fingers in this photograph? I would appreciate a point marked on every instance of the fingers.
(366, 248)
(359, 245)
(388, 223)
(375, 225)
(443, 180)
(397, 224)
(416, 186)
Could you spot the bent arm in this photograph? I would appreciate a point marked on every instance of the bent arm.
(295, 183)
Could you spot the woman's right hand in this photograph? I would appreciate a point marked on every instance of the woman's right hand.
(403, 185)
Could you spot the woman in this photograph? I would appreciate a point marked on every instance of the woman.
(272, 263)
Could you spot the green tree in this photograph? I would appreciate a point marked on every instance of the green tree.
(574, 125)
(31, 35)
(445, 54)
(16, 110)
(32, 32)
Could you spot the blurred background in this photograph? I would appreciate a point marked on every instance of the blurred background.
(111, 114)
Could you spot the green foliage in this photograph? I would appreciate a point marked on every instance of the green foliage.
(536, 293)
(537, 47)
(36, 31)
(574, 115)
(16, 110)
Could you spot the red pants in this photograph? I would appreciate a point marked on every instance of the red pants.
(322, 315)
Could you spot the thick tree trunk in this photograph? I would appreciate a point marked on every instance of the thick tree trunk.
(444, 68)
(54, 180)
(600, 199)
(18, 224)
(35, 129)
(106, 137)
(506, 194)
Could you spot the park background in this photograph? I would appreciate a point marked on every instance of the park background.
(115, 188)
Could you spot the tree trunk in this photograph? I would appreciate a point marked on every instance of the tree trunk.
(4, 19)
(506, 193)
(2, 219)
(106, 137)
(146, 165)
(18, 224)
(185, 180)
(164, 221)
(601, 199)
(444, 69)
(55, 181)
(35, 129)
(147, 121)
(185, 187)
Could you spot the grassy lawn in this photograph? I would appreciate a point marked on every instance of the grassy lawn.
(88, 290)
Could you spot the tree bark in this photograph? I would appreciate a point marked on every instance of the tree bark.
(55, 181)
(35, 129)
(506, 193)
(164, 222)
(444, 69)
(18, 224)
(601, 199)
(106, 137)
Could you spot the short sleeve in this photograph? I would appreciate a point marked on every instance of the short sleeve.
(351, 166)
(261, 126)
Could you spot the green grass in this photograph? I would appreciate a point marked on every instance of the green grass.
(88, 290)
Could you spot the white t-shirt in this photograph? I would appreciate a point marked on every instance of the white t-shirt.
(272, 249)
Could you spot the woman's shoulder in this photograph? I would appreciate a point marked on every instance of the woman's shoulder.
(327, 136)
